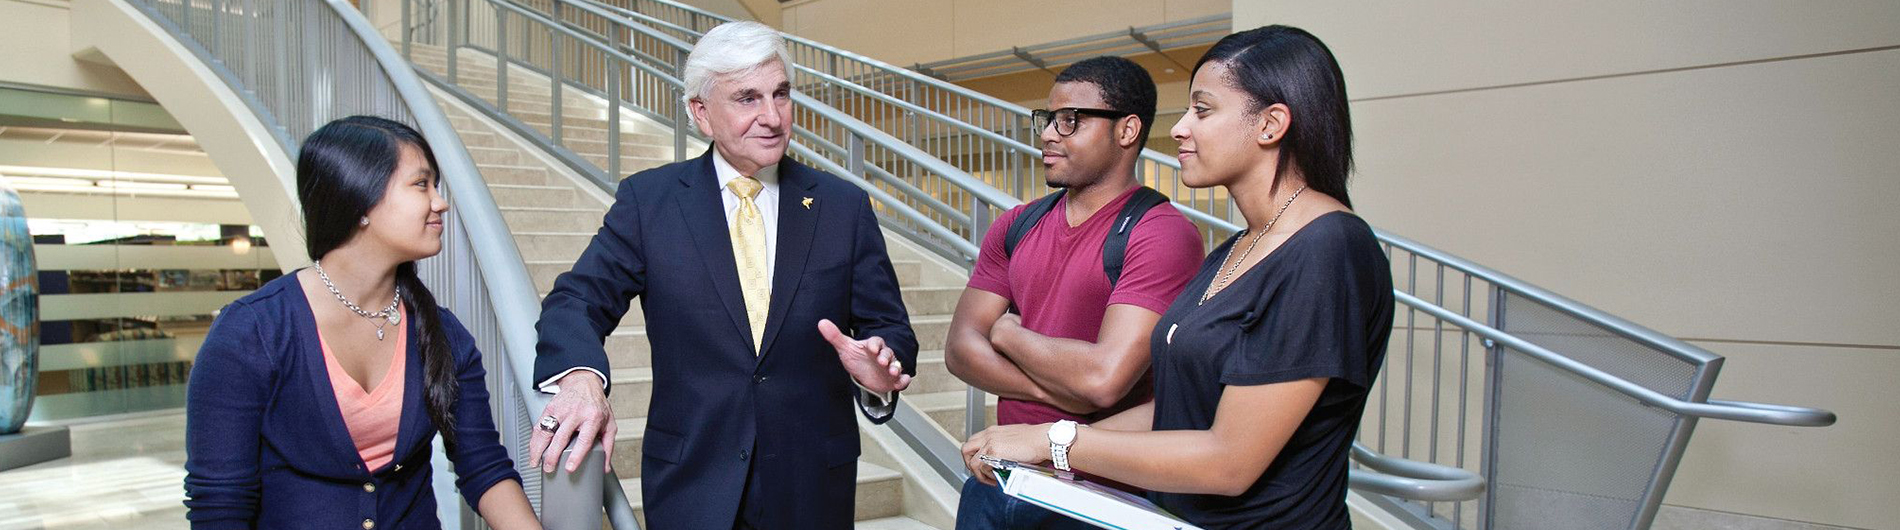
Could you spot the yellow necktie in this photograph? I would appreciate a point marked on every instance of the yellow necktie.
(748, 251)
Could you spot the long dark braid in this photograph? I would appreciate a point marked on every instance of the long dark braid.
(343, 170)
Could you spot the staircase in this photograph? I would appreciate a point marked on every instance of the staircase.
(552, 214)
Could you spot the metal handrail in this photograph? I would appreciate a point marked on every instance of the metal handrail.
(982, 192)
(510, 288)
(861, 135)
(1147, 155)
(489, 254)
(1449, 486)
(1440, 483)
(1411, 479)
(1791, 416)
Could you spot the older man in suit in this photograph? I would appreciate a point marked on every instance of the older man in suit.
(756, 273)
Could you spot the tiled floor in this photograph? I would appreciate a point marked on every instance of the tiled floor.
(123, 474)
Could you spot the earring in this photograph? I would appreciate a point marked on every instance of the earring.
(364, 222)
(1268, 136)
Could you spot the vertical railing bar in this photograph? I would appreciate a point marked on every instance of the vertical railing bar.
(1464, 401)
(554, 79)
(1411, 287)
(501, 59)
(682, 123)
(613, 119)
(406, 32)
(217, 30)
(452, 47)
(282, 68)
(1438, 340)
(1494, 389)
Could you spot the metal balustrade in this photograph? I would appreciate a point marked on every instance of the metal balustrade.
(1563, 411)
(299, 64)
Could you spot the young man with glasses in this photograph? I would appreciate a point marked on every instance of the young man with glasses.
(1052, 321)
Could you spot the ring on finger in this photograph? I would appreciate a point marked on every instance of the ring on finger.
(549, 422)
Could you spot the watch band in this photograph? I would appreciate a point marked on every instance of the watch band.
(1060, 454)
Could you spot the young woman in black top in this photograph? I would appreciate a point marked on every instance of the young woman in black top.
(1262, 365)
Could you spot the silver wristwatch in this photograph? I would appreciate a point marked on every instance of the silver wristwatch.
(1061, 436)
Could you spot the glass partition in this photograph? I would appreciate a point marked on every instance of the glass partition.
(139, 241)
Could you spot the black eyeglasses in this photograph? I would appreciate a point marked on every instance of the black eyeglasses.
(1066, 118)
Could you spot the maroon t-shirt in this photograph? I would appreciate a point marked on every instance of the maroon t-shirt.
(1055, 279)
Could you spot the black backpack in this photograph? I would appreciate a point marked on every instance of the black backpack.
(1114, 247)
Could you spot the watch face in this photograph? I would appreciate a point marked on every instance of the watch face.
(1062, 433)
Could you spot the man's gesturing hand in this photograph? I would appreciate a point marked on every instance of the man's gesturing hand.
(869, 361)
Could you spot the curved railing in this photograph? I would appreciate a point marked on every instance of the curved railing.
(982, 134)
(300, 64)
(886, 167)
(934, 155)
(991, 139)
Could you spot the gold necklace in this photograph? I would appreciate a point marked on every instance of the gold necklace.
(1216, 287)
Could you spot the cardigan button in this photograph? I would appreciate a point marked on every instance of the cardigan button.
(368, 524)
(369, 487)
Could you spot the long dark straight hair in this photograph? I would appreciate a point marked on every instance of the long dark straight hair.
(1284, 64)
(343, 170)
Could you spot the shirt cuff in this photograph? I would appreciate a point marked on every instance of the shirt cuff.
(552, 385)
(875, 402)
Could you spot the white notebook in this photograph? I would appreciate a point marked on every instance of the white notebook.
(1061, 492)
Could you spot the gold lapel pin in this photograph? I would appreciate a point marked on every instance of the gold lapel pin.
(807, 203)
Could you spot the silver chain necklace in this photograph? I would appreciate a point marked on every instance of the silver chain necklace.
(1213, 288)
(380, 318)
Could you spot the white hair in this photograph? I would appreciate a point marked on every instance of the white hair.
(732, 48)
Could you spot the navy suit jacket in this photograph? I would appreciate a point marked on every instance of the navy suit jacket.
(721, 412)
(265, 442)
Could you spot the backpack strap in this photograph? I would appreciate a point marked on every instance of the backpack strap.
(1115, 247)
(1019, 228)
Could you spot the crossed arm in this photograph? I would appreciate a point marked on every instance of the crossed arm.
(990, 349)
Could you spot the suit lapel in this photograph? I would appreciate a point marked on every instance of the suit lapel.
(796, 225)
(705, 218)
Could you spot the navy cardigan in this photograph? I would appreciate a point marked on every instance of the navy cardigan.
(265, 442)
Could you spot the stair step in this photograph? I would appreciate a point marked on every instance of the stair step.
(599, 134)
(892, 523)
(593, 147)
(946, 408)
(551, 219)
(633, 388)
(629, 164)
(528, 195)
(551, 246)
(491, 155)
(514, 175)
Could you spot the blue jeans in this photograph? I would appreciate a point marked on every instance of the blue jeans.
(986, 507)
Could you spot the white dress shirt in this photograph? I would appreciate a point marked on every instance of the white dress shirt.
(767, 203)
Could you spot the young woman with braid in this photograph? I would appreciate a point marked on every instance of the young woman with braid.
(314, 400)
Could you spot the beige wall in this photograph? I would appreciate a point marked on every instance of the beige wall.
(1720, 171)
(905, 32)
(34, 51)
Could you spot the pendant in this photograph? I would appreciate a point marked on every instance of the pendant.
(379, 333)
(394, 317)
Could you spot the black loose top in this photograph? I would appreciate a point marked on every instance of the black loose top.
(1319, 306)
